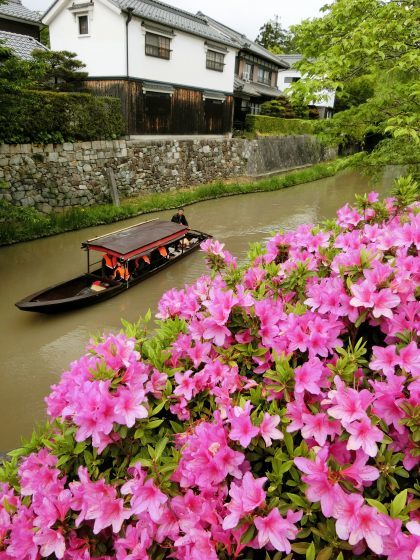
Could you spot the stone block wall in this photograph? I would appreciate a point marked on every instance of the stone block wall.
(55, 177)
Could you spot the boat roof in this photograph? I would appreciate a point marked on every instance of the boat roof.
(137, 239)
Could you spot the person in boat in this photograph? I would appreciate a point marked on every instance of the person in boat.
(179, 217)
(109, 264)
(138, 265)
(121, 272)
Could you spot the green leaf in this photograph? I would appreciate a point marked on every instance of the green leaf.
(158, 408)
(310, 552)
(398, 503)
(296, 499)
(160, 447)
(80, 447)
(325, 553)
(153, 424)
(300, 547)
(378, 505)
(248, 535)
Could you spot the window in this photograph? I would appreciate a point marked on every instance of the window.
(157, 45)
(247, 73)
(290, 80)
(264, 76)
(215, 61)
(83, 25)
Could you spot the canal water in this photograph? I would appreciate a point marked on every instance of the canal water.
(36, 349)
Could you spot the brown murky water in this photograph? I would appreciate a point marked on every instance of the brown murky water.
(35, 349)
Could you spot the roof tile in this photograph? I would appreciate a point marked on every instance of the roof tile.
(21, 45)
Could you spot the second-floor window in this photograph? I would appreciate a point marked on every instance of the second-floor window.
(264, 76)
(83, 22)
(157, 45)
(215, 61)
(248, 71)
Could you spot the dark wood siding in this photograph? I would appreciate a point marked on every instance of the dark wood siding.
(19, 27)
(182, 112)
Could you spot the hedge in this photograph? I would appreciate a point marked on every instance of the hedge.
(277, 126)
(42, 117)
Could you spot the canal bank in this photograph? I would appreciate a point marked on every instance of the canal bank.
(35, 349)
(23, 224)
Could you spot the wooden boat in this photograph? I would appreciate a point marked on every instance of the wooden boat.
(157, 242)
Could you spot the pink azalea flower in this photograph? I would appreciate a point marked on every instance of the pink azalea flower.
(308, 377)
(364, 435)
(128, 408)
(246, 497)
(242, 429)
(363, 294)
(383, 302)
(346, 514)
(276, 530)
(368, 525)
(359, 472)
(268, 428)
(318, 426)
(385, 359)
(409, 359)
(145, 497)
(320, 487)
(51, 542)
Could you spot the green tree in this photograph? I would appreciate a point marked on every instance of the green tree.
(354, 93)
(376, 41)
(15, 73)
(58, 70)
(274, 37)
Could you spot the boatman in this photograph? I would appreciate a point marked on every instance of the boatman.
(179, 217)
(109, 264)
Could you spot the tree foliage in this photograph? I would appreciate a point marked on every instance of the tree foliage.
(370, 41)
(58, 70)
(274, 37)
(47, 70)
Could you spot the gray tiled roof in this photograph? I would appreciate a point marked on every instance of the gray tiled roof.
(243, 42)
(156, 11)
(21, 45)
(254, 89)
(290, 59)
(13, 9)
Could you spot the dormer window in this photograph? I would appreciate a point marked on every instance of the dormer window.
(83, 23)
(83, 15)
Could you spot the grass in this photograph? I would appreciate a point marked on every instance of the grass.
(24, 224)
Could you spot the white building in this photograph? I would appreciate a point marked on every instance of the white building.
(289, 75)
(173, 72)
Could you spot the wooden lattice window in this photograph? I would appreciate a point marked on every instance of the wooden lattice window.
(158, 46)
(215, 61)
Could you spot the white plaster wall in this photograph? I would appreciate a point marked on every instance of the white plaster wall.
(328, 96)
(187, 65)
(103, 51)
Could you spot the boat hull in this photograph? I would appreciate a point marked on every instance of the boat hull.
(76, 293)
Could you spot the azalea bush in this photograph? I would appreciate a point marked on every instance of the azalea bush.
(273, 413)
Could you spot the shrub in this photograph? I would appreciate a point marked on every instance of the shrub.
(280, 107)
(43, 117)
(274, 409)
(285, 127)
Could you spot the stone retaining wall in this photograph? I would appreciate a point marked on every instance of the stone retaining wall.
(59, 176)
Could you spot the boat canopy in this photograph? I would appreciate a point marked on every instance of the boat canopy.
(138, 239)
